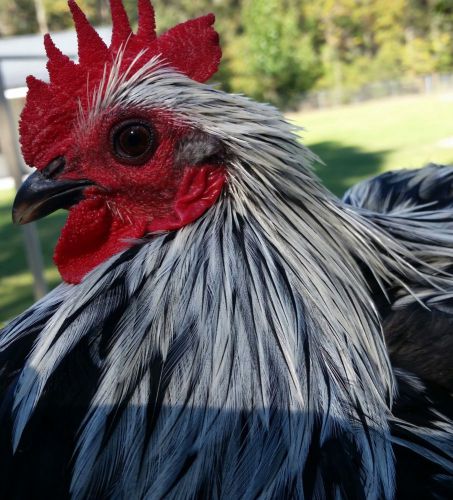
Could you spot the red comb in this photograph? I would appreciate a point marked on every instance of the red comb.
(191, 48)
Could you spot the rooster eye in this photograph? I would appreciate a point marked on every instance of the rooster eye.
(133, 142)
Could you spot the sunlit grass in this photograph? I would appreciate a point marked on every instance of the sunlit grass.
(16, 283)
(365, 139)
(355, 142)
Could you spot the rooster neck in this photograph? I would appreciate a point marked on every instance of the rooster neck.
(240, 356)
(242, 346)
(210, 346)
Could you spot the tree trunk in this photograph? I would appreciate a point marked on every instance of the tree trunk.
(41, 16)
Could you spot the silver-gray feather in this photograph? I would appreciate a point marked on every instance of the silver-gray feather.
(259, 312)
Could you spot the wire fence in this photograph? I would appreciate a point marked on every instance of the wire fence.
(428, 84)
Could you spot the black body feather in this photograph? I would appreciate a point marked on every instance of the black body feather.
(43, 464)
(418, 333)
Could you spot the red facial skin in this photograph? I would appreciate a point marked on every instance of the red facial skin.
(128, 202)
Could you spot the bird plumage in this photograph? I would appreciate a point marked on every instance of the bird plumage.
(239, 356)
(418, 323)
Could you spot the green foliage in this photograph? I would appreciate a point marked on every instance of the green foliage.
(17, 17)
(16, 282)
(275, 50)
(279, 57)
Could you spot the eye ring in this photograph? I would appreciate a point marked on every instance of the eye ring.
(133, 141)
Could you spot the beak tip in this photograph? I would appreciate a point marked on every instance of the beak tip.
(41, 195)
(17, 217)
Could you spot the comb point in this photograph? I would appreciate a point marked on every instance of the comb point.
(121, 27)
(58, 64)
(92, 48)
(35, 84)
(193, 48)
(146, 21)
(52, 50)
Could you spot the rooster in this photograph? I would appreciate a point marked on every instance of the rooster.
(220, 332)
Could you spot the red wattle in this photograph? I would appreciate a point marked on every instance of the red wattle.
(94, 232)
(92, 235)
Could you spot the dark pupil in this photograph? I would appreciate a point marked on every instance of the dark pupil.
(134, 141)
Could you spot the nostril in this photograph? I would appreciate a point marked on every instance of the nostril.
(54, 168)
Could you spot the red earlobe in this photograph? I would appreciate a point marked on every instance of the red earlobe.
(200, 188)
(192, 48)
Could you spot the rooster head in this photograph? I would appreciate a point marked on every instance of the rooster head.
(123, 168)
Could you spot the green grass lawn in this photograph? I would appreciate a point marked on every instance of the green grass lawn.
(355, 142)
(363, 140)
(16, 292)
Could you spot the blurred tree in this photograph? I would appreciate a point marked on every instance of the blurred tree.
(276, 49)
(58, 17)
(41, 16)
(278, 58)
(17, 17)
(362, 40)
